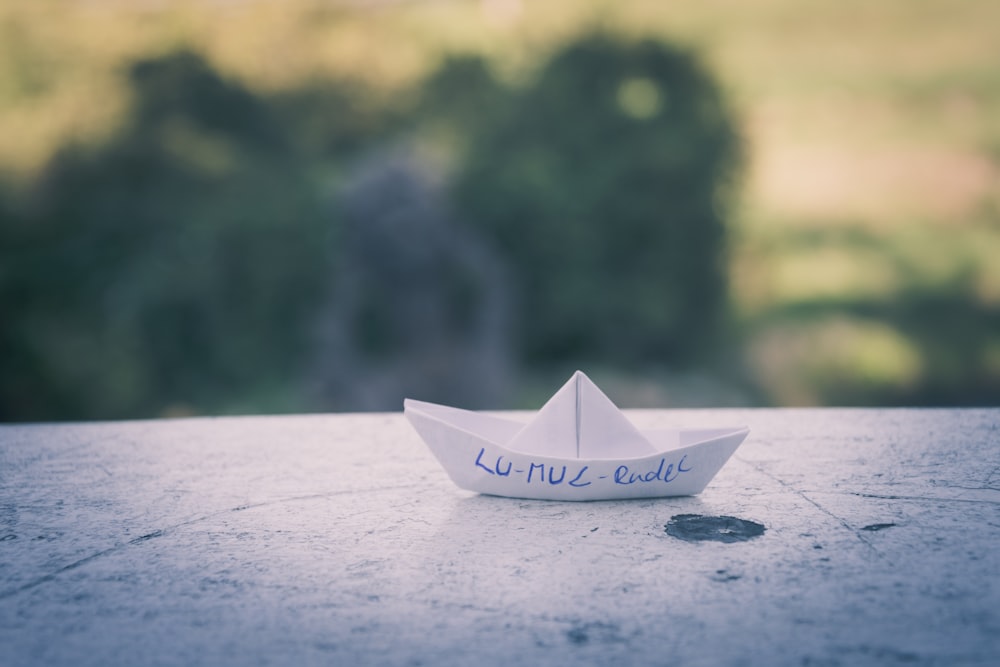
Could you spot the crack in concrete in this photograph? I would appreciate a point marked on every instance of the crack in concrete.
(935, 499)
(989, 478)
(861, 538)
(965, 488)
(160, 532)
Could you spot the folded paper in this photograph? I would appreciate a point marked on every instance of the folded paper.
(579, 446)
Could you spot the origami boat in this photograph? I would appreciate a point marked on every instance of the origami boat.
(579, 446)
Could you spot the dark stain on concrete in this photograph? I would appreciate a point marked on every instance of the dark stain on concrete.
(598, 631)
(699, 528)
(874, 527)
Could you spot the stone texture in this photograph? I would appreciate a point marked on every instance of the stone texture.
(338, 540)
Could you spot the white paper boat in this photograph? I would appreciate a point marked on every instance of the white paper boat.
(578, 447)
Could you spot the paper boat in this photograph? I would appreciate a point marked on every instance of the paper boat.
(579, 446)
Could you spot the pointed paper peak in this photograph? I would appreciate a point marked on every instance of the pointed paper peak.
(579, 421)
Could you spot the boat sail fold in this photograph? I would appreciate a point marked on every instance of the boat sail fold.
(580, 422)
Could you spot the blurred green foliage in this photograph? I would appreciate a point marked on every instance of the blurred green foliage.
(922, 342)
(177, 265)
(605, 181)
(184, 263)
(171, 224)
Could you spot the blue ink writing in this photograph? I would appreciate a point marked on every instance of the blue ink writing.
(663, 474)
(575, 481)
(479, 461)
(552, 477)
(623, 474)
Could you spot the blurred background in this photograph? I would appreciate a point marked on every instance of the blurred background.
(234, 206)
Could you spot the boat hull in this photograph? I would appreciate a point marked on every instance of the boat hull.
(467, 448)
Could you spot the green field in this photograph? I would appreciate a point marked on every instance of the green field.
(865, 249)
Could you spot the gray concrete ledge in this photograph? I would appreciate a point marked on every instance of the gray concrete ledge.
(338, 540)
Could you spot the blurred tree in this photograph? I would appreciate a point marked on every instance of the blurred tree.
(336, 122)
(459, 100)
(172, 267)
(186, 263)
(605, 183)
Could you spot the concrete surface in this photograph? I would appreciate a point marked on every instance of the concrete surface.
(337, 540)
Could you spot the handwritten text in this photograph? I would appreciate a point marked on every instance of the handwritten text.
(578, 476)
